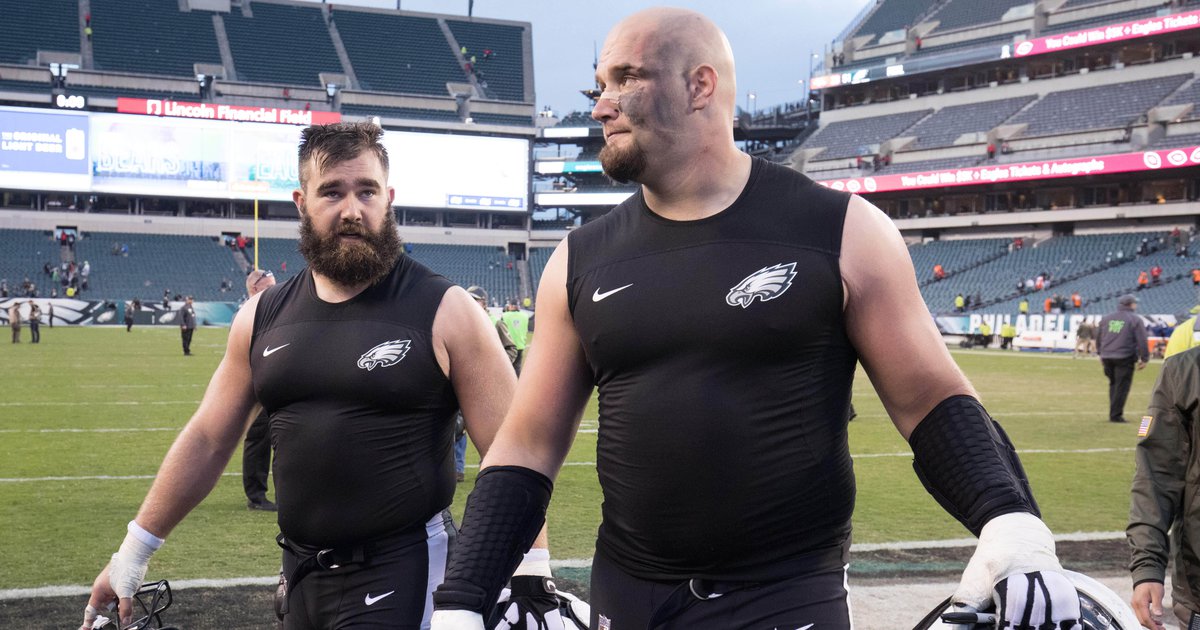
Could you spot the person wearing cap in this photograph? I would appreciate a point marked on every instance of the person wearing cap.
(1121, 343)
(187, 325)
(460, 434)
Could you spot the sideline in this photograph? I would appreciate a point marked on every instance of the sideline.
(573, 563)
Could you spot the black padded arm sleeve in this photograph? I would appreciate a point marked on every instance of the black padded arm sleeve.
(503, 516)
(968, 464)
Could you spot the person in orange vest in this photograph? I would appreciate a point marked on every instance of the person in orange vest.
(938, 272)
(1195, 277)
(1143, 280)
(1048, 305)
(1076, 300)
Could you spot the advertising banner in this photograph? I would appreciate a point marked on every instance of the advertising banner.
(193, 158)
(43, 149)
(1025, 171)
(430, 170)
(1108, 33)
(232, 113)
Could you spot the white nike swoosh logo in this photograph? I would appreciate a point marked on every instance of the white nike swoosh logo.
(368, 600)
(268, 351)
(597, 296)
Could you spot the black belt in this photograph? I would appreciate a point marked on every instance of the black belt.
(691, 592)
(317, 559)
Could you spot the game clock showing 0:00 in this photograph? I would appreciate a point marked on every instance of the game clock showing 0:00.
(69, 101)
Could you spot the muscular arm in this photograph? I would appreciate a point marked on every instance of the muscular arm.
(469, 352)
(194, 463)
(554, 386)
(200, 453)
(888, 322)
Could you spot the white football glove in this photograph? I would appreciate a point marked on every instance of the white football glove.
(1014, 559)
(535, 563)
(128, 566)
(531, 596)
(456, 620)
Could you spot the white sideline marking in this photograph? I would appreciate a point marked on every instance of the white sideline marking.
(93, 478)
(1037, 451)
(571, 563)
(90, 430)
(73, 403)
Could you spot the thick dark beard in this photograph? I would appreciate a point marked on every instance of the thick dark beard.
(351, 264)
(623, 165)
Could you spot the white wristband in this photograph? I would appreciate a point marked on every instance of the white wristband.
(150, 540)
(535, 562)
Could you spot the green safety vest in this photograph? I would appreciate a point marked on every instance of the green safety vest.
(518, 326)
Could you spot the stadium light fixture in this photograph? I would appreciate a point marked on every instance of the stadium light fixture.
(331, 91)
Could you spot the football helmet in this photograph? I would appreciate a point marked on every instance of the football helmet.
(148, 605)
(1100, 608)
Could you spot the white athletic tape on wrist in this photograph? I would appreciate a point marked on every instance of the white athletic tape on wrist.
(129, 564)
(1012, 543)
(150, 540)
(456, 620)
(535, 562)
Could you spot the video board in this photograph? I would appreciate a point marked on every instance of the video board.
(180, 157)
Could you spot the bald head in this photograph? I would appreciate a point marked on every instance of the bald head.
(681, 41)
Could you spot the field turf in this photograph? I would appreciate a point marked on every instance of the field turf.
(87, 415)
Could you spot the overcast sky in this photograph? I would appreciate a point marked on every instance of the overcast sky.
(771, 39)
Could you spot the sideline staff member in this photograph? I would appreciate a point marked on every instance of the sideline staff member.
(1121, 344)
(1166, 496)
(722, 454)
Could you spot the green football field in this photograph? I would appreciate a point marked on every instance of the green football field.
(87, 415)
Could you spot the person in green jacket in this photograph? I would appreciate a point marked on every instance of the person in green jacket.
(959, 303)
(518, 327)
(1165, 496)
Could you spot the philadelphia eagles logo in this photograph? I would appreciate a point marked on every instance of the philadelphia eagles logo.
(385, 354)
(765, 284)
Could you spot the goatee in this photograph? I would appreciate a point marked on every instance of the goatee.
(351, 263)
(623, 165)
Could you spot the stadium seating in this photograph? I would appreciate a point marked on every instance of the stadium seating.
(579, 119)
(1189, 94)
(955, 256)
(1185, 140)
(993, 42)
(24, 253)
(1062, 258)
(144, 36)
(282, 44)
(852, 137)
(957, 14)
(891, 15)
(400, 112)
(273, 253)
(187, 265)
(398, 53)
(502, 119)
(504, 71)
(538, 257)
(1111, 18)
(466, 265)
(945, 126)
(930, 165)
(43, 25)
(1092, 108)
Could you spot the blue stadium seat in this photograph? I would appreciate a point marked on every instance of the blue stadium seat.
(42, 25)
(151, 37)
(398, 53)
(504, 71)
(282, 44)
